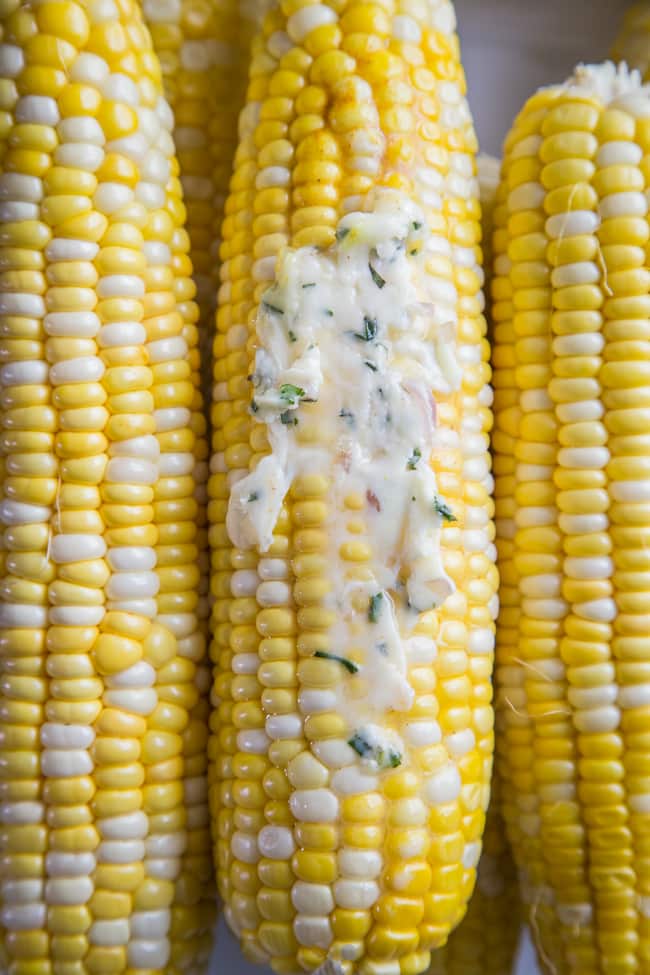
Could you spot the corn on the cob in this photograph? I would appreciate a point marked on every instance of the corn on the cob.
(203, 47)
(488, 181)
(485, 943)
(103, 817)
(351, 759)
(486, 940)
(633, 42)
(572, 371)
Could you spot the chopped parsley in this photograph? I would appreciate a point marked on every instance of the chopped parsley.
(347, 415)
(370, 329)
(377, 278)
(416, 456)
(291, 394)
(253, 496)
(328, 312)
(292, 336)
(349, 665)
(384, 757)
(309, 284)
(272, 308)
(370, 365)
(289, 419)
(342, 233)
(416, 225)
(254, 406)
(374, 607)
(442, 508)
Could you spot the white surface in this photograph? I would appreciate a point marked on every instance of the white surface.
(510, 48)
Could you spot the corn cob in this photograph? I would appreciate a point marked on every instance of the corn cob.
(103, 804)
(485, 943)
(572, 364)
(633, 42)
(488, 182)
(351, 764)
(203, 50)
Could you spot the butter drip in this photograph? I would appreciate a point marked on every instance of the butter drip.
(352, 348)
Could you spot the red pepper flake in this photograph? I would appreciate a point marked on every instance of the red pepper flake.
(344, 458)
(373, 500)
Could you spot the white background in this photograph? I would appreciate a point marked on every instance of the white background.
(510, 48)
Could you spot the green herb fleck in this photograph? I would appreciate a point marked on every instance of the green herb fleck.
(359, 744)
(291, 394)
(412, 462)
(328, 312)
(309, 284)
(289, 419)
(370, 329)
(370, 365)
(342, 233)
(347, 415)
(272, 308)
(413, 252)
(349, 665)
(442, 508)
(374, 607)
(416, 225)
(292, 336)
(384, 757)
(254, 406)
(377, 278)
(253, 496)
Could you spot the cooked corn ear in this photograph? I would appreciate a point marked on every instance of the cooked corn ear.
(485, 942)
(352, 555)
(104, 827)
(488, 181)
(572, 453)
(633, 42)
(203, 47)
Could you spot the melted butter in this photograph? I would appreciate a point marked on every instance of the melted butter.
(351, 350)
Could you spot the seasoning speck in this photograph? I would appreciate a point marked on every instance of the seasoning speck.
(374, 607)
(442, 508)
(373, 500)
(370, 329)
(412, 462)
(349, 665)
(376, 277)
(291, 394)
